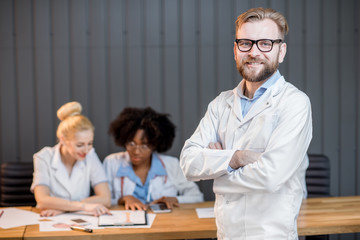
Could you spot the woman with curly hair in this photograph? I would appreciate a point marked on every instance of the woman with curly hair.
(141, 175)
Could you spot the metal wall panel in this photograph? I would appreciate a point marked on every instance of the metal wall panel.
(173, 55)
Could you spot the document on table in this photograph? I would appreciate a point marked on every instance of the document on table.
(205, 212)
(123, 218)
(63, 222)
(13, 217)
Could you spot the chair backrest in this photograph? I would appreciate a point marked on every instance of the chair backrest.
(318, 176)
(15, 182)
(206, 187)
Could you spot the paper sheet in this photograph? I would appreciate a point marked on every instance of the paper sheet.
(205, 212)
(123, 218)
(64, 221)
(13, 217)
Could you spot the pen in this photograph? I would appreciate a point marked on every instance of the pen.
(1, 213)
(89, 230)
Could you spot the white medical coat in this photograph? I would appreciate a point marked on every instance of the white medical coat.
(172, 185)
(260, 200)
(50, 171)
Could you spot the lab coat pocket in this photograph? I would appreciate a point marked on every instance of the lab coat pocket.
(269, 216)
(260, 131)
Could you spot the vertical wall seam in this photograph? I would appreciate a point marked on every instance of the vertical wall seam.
(197, 56)
(338, 27)
(356, 89)
(18, 154)
(107, 78)
(216, 47)
(304, 34)
(70, 50)
(180, 49)
(322, 80)
(87, 42)
(143, 46)
(162, 53)
(35, 82)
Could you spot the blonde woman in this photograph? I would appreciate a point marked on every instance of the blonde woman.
(63, 174)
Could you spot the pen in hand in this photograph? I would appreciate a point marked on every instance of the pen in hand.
(89, 230)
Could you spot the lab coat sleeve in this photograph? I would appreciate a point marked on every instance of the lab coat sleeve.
(111, 167)
(41, 175)
(283, 155)
(188, 192)
(97, 173)
(197, 161)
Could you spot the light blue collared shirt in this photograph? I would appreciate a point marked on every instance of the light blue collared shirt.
(246, 103)
(141, 191)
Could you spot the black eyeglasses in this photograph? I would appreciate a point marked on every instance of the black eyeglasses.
(264, 45)
(132, 146)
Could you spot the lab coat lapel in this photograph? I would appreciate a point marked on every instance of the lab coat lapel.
(61, 175)
(234, 122)
(259, 106)
(234, 103)
(266, 100)
(77, 176)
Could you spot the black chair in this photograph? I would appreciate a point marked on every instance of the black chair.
(318, 182)
(15, 182)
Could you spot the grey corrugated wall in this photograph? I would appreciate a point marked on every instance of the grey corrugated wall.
(173, 55)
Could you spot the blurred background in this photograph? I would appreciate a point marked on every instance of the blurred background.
(175, 56)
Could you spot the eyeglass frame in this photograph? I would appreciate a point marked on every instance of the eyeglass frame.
(256, 42)
(134, 146)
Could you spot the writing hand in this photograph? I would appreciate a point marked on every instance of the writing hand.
(50, 212)
(96, 209)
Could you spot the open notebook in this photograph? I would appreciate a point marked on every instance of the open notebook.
(123, 218)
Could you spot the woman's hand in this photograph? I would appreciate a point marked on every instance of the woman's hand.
(169, 201)
(132, 203)
(50, 212)
(96, 209)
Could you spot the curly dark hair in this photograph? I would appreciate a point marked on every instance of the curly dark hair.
(158, 129)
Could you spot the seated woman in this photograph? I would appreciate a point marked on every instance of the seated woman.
(141, 175)
(64, 173)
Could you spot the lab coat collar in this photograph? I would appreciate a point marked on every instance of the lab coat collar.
(262, 103)
(56, 162)
(61, 175)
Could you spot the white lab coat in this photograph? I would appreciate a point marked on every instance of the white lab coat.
(260, 200)
(172, 185)
(50, 171)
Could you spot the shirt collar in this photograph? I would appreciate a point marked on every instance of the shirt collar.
(156, 169)
(268, 83)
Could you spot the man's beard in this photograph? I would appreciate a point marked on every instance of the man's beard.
(268, 70)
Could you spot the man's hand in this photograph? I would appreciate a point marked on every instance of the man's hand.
(215, 145)
(242, 158)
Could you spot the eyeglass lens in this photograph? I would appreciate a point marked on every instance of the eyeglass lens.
(264, 45)
(133, 146)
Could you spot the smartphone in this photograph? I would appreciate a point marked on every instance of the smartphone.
(159, 208)
(80, 221)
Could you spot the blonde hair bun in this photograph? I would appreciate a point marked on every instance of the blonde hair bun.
(69, 109)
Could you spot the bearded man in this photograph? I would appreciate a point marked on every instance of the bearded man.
(253, 140)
